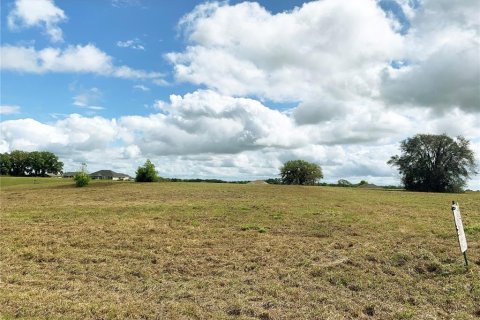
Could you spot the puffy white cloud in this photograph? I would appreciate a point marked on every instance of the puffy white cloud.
(8, 109)
(29, 134)
(442, 55)
(82, 59)
(44, 13)
(74, 133)
(205, 121)
(324, 48)
(327, 55)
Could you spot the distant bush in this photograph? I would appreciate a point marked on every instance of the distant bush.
(344, 183)
(81, 179)
(274, 181)
(202, 180)
(146, 173)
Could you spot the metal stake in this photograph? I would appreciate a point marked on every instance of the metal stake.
(465, 258)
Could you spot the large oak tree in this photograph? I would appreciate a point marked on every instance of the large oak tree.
(435, 163)
(300, 172)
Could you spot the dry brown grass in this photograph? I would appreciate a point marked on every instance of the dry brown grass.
(202, 251)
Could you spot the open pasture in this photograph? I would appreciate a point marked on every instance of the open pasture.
(224, 251)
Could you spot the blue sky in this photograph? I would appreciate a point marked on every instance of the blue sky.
(233, 89)
(149, 24)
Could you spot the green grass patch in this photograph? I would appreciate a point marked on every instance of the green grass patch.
(473, 229)
(7, 181)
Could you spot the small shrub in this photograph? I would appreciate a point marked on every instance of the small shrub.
(81, 179)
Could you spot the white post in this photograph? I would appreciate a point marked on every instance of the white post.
(462, 240)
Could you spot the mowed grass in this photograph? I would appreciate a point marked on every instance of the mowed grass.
(223, 251)
(29, 182)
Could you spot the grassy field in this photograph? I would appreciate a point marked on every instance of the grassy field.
(30, 182)
(223, 251)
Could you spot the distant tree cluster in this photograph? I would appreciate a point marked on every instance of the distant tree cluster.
(23, 163)
(430, 163)
(274, 181)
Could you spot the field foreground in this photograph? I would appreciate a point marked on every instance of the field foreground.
(223, 251)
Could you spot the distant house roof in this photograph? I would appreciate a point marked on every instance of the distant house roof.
(53, 175)
(109, 173)
(69, 174)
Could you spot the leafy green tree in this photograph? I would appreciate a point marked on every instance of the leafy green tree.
(146, 173)
(50, 163)
(435, 163)
(35, 163)
(82, 178)
(5, 163)
(19, 163)
(300, 172)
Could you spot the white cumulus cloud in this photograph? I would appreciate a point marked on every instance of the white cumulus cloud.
(332, 48)
(78, 58)
(33, 13)
(442, 69)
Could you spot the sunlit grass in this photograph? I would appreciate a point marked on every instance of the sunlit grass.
(193, 250)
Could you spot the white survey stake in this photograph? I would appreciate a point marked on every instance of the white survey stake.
(458, 223)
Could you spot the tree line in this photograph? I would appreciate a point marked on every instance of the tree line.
(429, 163)
(36, 163)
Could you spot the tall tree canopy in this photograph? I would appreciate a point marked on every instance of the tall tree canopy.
(23, 163)
(435, 163)
(300, 172)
